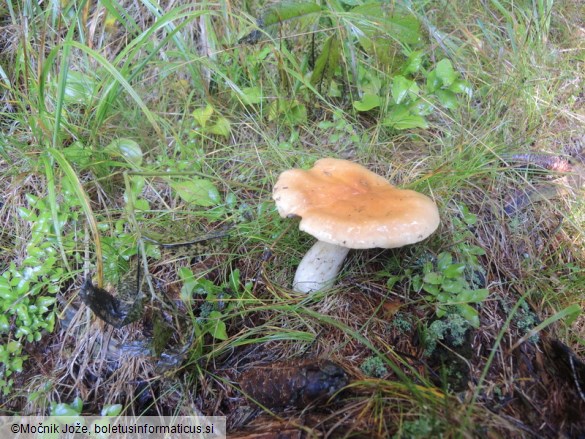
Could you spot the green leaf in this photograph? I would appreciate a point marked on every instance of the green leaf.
(77, 154)
(4, 325)
(453, 286)
(454, 270)
(293, 112)
(284, 11)
(368, 102)
(234, 280)
(432, 289)
(461, 86)
(401, 25)
(445, 72)
(433, 82)
(472, 296)
(6, 291)
(221, 127)
(413, 62)
(218, 329)
(433, 278)
(77, 404)
(202, 115)
(326, 63)
(128, 149)
(417, 283)
(199, 191)
(400, 118)
(447, 98)
(475, 250)
(64, 409)
(141, 204)
(470, 314)
(251, 95)
(44, 302)
(112, 410)
(79, 88)
(403, 89)
(444, 260)
(421, 107)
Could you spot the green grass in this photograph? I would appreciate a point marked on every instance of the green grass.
(128, 118)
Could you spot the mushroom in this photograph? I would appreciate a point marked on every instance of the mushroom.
(346, 206)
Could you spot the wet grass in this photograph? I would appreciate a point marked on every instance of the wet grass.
(108, 109)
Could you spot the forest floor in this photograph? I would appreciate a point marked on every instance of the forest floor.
(130, 124)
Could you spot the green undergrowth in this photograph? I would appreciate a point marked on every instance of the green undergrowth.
(119, 124)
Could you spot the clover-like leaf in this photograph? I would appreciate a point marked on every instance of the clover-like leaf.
(202, 115)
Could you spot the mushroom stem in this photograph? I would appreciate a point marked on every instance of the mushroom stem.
(319, 267)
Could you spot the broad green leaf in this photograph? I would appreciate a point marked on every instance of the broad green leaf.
(6, 291)
(461, 86)
(326, 63)
(64, 409)
(445, 72)
(469, 218)
(112, 410)
(433, 82)
(417, 283)
(221, 127)
(443, 297)
(475, 250)
(472, 296)
(367, 102)
(453, 286)
(403, 89)
(4, 325)
(413, 62)
(400, 118)
(401, 25)
(433, 278)
(77, 154)
(77, 404)
(454, 270)
(141, 204)
(199, 191)
(294, 112)
(202, 115)
(79, 88)
(444, 260)
(432, 289)
(218, 329)
(447, 98)
(284, 11)
(44, 302)
(421, 107)
(441, 311)
(128, 149)
(251, 95)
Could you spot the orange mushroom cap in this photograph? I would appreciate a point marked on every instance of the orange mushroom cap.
(344, 203)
